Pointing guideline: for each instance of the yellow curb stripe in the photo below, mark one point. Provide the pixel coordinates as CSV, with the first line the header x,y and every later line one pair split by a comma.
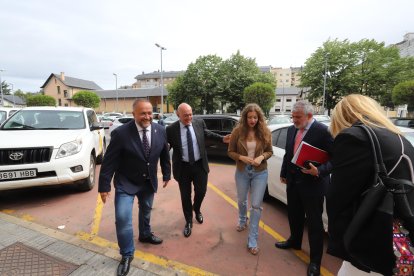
x,y
97,216
299,253
146,256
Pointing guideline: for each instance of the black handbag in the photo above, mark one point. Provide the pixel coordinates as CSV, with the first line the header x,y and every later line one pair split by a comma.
x,y
374,213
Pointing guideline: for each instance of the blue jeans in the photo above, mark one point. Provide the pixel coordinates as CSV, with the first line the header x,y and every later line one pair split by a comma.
x,y
123,218
256,182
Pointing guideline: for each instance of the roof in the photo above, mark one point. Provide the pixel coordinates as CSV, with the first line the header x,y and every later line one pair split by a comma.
x,y
131,93
157,75
74,82
14,99
291,90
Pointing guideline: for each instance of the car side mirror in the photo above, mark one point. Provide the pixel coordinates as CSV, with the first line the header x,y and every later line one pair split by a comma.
x,y
96,126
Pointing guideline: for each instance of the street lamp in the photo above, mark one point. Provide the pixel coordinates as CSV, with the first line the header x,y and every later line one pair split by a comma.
x,y
324,84
1,88
12,88
162,80
116,89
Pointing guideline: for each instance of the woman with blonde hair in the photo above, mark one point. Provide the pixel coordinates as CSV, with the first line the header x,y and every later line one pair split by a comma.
x,y
250,146
353,173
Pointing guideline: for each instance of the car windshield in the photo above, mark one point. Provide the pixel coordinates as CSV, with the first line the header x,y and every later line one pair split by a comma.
x,y
3,115
45,119
409,136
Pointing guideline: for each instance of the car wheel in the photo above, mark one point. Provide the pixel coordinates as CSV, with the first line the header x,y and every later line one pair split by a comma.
x,y
99,159
88,183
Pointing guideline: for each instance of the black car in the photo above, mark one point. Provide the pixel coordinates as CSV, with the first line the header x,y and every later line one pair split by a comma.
x,y
221,124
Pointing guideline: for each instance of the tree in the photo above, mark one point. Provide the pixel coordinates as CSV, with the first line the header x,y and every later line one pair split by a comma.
x,y
5,88
41,100
237,73
365,67
403,93
262,94
177,94
86,99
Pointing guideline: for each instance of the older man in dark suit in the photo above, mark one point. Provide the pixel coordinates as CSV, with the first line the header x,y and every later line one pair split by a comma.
x,y
306,188
190,163
132,156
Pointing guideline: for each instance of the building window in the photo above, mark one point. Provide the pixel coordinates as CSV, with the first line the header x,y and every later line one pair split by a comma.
x,y
60,102
278,100
66,104
65,93
288,100
58,89
277,109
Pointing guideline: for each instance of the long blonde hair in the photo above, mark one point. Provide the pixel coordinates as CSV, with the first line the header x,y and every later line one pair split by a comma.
x,y
262,132
356,107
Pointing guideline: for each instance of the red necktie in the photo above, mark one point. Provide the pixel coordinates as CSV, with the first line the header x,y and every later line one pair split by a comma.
x,y
298,139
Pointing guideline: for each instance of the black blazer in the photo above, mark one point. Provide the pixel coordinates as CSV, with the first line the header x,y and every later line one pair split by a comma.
x,y
352,173
318,136
174,139
125,157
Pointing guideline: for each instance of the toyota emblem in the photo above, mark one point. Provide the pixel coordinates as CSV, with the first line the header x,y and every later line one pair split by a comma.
x,y
16,156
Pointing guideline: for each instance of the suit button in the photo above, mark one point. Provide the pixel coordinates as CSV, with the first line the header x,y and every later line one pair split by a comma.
x,y
148,164
144,175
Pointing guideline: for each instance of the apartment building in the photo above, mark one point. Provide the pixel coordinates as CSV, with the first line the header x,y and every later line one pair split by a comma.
x,y
406,47
287,77
153,79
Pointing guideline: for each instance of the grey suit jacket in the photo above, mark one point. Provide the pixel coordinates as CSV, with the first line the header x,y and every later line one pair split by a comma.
x,y
174,139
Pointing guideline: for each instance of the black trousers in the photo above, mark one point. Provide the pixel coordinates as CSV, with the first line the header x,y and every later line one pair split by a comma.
x,y
196,175
300,205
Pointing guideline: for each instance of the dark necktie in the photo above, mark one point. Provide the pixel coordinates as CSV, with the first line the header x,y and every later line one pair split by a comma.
x,y
191,158
145,143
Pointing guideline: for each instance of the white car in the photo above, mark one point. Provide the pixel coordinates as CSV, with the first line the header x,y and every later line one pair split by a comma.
x,y
42,146
277,189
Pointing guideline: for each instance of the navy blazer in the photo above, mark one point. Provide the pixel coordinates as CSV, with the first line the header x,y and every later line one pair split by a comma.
x,y
174,139
125,158
318,136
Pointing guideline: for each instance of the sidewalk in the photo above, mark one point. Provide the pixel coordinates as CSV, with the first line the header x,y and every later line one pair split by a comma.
x,y
35,249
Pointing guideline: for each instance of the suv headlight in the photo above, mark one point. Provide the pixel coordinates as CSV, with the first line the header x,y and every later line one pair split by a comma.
x,y
69,149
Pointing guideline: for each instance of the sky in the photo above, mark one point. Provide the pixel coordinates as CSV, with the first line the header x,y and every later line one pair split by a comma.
x,y
91,39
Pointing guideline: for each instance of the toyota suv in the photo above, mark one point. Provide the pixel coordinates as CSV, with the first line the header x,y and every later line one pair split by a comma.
x,y
42,146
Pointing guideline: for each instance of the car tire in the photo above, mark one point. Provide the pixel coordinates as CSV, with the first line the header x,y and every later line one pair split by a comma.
x,y
99,159
88,183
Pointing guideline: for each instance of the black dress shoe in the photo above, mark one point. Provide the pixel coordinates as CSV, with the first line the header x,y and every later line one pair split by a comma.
x,y
199,218
287,245
187,229
123,267
151,239
314,269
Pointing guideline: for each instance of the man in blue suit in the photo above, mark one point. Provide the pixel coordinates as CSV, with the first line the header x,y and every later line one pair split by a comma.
x,y
306,188
132,156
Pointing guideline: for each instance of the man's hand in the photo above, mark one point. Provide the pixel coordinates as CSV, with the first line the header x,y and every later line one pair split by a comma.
x,y
104,196
226,139
312,171
165,183
283,180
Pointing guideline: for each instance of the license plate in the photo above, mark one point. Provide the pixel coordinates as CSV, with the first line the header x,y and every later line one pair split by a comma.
x,y
17,174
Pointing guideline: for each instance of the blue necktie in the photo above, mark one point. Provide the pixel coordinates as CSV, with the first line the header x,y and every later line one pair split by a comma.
x,y
145,143
191,158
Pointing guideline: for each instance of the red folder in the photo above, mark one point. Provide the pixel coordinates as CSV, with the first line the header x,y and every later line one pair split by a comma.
x,y
307,152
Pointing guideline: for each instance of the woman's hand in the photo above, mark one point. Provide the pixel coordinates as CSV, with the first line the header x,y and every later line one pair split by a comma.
x,y
258,160
247,160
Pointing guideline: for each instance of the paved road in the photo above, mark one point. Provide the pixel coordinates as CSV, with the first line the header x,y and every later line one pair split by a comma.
x,y
214,247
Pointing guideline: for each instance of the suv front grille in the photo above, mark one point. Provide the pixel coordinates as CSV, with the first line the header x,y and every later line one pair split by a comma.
x,y
25,156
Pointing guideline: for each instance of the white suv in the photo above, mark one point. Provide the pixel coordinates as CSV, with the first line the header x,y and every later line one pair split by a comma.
x,y
42,146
